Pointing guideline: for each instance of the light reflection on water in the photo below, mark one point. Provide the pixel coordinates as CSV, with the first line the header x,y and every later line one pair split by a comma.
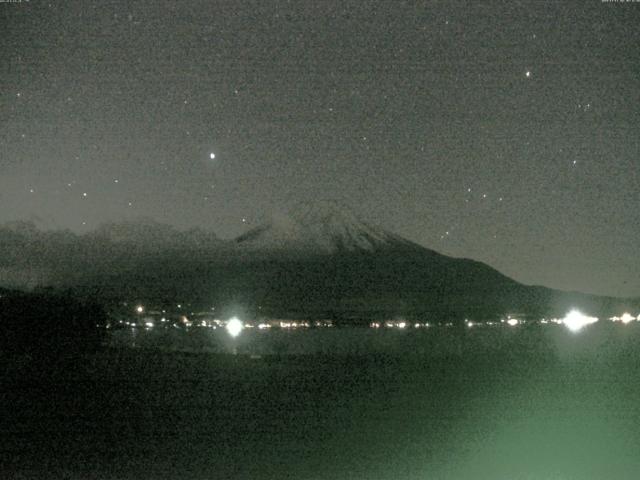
x,y
537,402
475,403
433,341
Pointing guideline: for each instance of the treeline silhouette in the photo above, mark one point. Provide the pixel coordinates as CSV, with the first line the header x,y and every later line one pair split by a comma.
x,y
45,324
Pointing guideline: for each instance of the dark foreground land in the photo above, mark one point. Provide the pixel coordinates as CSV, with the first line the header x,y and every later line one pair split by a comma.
x,y
541,406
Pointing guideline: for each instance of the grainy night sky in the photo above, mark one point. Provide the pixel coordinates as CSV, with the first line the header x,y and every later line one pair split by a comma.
x,y
505,132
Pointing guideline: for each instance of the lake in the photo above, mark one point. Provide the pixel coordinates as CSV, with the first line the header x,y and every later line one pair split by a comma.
x,y
481,403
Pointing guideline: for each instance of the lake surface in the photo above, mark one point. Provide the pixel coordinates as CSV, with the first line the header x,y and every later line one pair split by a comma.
x,y
522,403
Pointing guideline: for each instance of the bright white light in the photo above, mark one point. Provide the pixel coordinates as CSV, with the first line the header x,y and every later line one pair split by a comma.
x,y
402,324
626,318
139,309
149,324
512,322
212,155
575,320
234,327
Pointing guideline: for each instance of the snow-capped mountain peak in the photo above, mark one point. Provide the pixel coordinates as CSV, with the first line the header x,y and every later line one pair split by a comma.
x,y
321,227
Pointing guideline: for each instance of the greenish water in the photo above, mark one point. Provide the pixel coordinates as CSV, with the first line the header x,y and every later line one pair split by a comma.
x,y
533,404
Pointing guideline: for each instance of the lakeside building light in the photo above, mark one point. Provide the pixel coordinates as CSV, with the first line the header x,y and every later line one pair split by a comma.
x,y
140,309
626,318
575,320
234,327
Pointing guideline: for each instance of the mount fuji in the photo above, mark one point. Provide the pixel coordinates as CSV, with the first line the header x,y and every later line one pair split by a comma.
x,y
319,260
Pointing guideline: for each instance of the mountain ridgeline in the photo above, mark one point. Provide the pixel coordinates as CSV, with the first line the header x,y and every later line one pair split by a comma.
x,y
318,261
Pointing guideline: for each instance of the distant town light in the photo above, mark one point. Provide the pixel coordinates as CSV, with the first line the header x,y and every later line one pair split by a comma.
x,y
626,318
402,325
234,327
139,309
512,322
149,324
575,320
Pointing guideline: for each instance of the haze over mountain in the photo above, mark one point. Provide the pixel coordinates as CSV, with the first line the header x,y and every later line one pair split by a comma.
x,y
318,260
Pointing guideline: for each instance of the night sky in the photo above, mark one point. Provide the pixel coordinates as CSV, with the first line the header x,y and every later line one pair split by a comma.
x,y
504,132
